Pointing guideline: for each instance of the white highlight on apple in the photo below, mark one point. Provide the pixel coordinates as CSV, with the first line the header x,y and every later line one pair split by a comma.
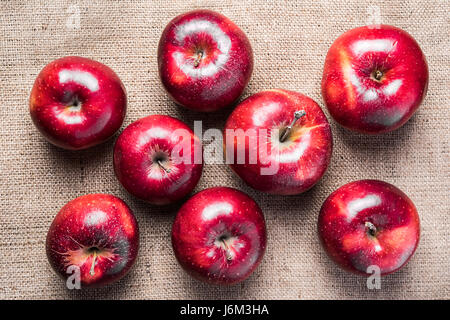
x,y
155,132
297,152
223,44
357,205
260,116
95,217
69,118
379,45
392,87
211,253
368,94
84,78
216,209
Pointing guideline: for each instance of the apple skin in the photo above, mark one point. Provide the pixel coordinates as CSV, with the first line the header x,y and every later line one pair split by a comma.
x,y
149,140
348,215
219,236
204,60
374,79
303,157
77,103
99,223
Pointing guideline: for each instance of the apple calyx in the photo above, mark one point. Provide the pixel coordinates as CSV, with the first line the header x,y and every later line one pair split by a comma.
x,y
161,158
74,104
370,228
198,58
223,243
286,132
377,75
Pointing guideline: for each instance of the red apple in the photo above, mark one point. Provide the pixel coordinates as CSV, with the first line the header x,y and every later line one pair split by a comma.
x,y
369,223
219,235
77,103
374,79
97,234
158,159
278,141
204,60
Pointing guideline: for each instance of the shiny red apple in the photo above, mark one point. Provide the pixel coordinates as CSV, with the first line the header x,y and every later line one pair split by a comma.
x,y
278,141
204,60
77,103
96,234
369,223
158,159
219,235
374,79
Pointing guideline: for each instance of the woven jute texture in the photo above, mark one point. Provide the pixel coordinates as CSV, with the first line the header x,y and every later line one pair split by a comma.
x,y
290,40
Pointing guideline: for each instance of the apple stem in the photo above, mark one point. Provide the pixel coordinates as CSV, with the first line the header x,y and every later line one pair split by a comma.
x,y
92,272
371,229
227,249
198,58
287,131
162,166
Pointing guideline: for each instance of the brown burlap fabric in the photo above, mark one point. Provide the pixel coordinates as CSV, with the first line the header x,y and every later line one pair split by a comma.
x,y
290,40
